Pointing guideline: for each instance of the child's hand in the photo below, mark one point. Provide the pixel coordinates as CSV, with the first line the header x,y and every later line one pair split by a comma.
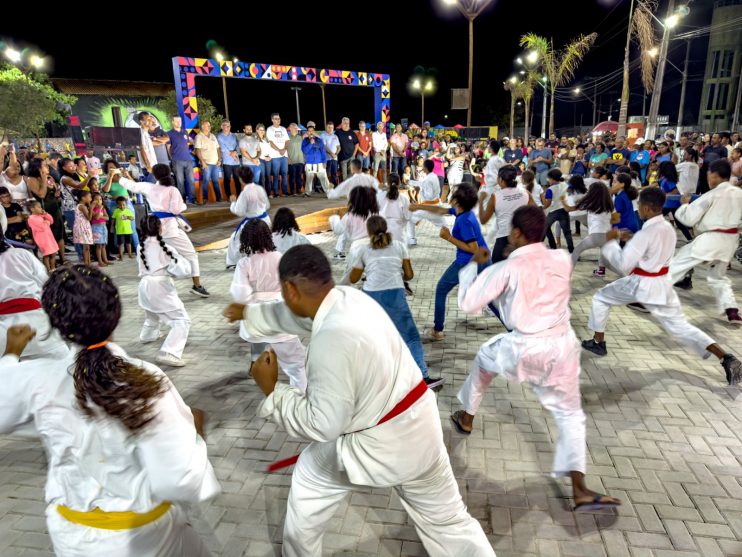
x,y
445,233
612,234
481,256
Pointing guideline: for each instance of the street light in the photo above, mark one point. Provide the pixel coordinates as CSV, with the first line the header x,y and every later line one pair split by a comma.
x,y
13,55
513,80
532,57
37,61
577,90
654,51
428,88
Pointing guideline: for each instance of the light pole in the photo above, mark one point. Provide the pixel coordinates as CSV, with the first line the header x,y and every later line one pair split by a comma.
x,y
470,9
24,63
298,115
220,59
530,60
425,86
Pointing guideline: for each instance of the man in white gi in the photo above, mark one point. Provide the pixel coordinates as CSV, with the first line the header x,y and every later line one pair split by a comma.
x,y
429,193
531,290
645,264
716,216
357,178
359,370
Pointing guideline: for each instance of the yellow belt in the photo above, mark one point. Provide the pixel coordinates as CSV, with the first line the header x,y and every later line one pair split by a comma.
x,y
114,520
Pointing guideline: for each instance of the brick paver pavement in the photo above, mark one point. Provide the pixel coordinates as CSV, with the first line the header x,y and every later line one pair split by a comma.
x,y
663,435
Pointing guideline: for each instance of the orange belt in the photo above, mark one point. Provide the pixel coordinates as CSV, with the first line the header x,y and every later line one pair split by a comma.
x,y
642,273
434,202
411,398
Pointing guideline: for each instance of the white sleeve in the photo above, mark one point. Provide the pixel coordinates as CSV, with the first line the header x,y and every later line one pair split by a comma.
x,y
355,257
241,289
273,318
341,190
174,455
178,266
690,214
239,206
475,292
175,203
135,187
626,259
3,220
17,392
36,270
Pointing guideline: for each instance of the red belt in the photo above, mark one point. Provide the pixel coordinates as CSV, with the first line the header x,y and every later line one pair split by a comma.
x,y
411,398
726,230
19,305
642,273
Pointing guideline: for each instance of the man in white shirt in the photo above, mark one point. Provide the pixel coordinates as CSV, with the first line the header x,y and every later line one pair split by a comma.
x,y
645,262
370,417
492,170
381,145
715,216
332,148
357,178
277,137
147,155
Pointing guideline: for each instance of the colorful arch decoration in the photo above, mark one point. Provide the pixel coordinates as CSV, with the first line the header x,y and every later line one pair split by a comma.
x,y
185,71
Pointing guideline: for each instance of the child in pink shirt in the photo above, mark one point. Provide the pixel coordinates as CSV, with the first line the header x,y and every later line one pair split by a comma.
x,y
40,223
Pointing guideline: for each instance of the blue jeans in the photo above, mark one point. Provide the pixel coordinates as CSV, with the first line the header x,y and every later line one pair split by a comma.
x,y
449,279
256,171
148,177
395,305
332,171
183,171
295,179
69,216
210,174
265,171
279,165
365,161
398,166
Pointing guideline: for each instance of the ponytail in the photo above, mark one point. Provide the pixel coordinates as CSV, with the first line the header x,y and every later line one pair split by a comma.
x,y
377,231
393,191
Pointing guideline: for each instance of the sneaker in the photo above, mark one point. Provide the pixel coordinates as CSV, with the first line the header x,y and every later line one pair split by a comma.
x,y
733,368
433,335
598,348
408,290
412,242
685,284
307,194
165,359
599,272
638,307
434,383
200,291
733,317
339,256
231,267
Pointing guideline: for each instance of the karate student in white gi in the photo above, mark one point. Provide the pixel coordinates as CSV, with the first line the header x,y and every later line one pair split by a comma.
x,y
158,297
286,231
359,370
167,204
357,178
645,264
125,453
362,204
395,209
716,216
252,203
429,194
23,277
256,280
531,290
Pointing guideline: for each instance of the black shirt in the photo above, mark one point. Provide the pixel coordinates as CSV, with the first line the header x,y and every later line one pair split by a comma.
x,y
348,141
17,230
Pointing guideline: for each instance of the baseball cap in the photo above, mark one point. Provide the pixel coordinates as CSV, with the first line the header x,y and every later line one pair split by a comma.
x,y
310,124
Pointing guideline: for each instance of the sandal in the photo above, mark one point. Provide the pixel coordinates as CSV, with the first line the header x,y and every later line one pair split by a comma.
x,y
596,504
456,419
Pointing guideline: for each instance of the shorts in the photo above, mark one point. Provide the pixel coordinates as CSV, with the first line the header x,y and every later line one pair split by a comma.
x,y
124,239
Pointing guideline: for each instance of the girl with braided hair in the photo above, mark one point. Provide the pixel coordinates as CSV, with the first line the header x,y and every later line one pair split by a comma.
x,y
158,297
125,452
252,204
255,281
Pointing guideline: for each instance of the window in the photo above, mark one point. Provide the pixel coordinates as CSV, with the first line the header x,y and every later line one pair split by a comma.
x,y
710,97
715,65
726,64
721,101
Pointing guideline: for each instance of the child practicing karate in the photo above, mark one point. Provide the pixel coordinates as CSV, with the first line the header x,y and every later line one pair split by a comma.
x,y
429,194
357,178
158,297
715,216
362,204
256,280
286,231
645,263
531,290
125,454
251,204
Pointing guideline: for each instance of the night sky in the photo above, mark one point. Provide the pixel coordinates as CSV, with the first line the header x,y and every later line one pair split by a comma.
x,y
330,35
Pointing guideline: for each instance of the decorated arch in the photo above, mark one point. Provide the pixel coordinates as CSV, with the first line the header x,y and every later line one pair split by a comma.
x,y
187,69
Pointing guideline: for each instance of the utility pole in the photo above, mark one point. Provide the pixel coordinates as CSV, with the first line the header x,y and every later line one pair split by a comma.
x,y
624,109
298,115
595,104
654,106
735,119
543,117
324,108
681,108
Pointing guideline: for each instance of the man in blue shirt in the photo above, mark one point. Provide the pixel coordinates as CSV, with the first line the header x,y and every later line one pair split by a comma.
x,y
180,154
540,161
230,158
641,157
619,155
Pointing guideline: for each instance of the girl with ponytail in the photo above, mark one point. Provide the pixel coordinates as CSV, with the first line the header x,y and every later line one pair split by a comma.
x,y
395,209
124,450
159,263
386,263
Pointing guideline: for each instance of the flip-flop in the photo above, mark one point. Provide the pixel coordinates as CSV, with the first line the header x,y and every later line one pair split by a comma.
x,y
596,504
457,424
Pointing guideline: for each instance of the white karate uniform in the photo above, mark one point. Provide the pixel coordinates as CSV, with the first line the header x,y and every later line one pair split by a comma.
x,y
650,249
396,212
531,290
359,368
158,296
167,199
430,194
256,280
284,242
23,276
717,209
98,463
345,187
348,229
251,203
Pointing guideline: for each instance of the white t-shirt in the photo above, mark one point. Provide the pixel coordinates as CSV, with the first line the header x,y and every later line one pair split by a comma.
x,y
250,145
557,191
535,193
383,267
279,137
507,200
380,142
598,223
687,177
17,192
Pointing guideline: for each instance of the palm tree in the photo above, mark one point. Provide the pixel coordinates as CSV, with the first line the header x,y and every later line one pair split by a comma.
x,y
512,86
558,65
524,90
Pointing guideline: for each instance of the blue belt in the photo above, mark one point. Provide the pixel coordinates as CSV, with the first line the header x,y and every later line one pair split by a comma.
x,y
673,201
165,215
248,219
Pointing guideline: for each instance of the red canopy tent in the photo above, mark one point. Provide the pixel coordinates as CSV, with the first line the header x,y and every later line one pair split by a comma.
x,y
459,127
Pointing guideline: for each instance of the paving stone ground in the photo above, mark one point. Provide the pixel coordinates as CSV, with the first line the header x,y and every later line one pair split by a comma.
x,y
663,434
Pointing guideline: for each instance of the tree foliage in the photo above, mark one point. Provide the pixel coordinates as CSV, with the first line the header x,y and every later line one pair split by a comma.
x,y
206,110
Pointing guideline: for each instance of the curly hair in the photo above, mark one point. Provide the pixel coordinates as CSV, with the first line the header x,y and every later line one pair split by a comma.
x,y
362,202
83,305
256,237
284,222
151,229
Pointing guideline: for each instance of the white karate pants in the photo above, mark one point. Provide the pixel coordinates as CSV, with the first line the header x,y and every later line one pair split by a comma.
x,y
183,245
338,228
432,500
291,356
670,316
179,323
716,276
564,403
171,535
313,170
436,220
